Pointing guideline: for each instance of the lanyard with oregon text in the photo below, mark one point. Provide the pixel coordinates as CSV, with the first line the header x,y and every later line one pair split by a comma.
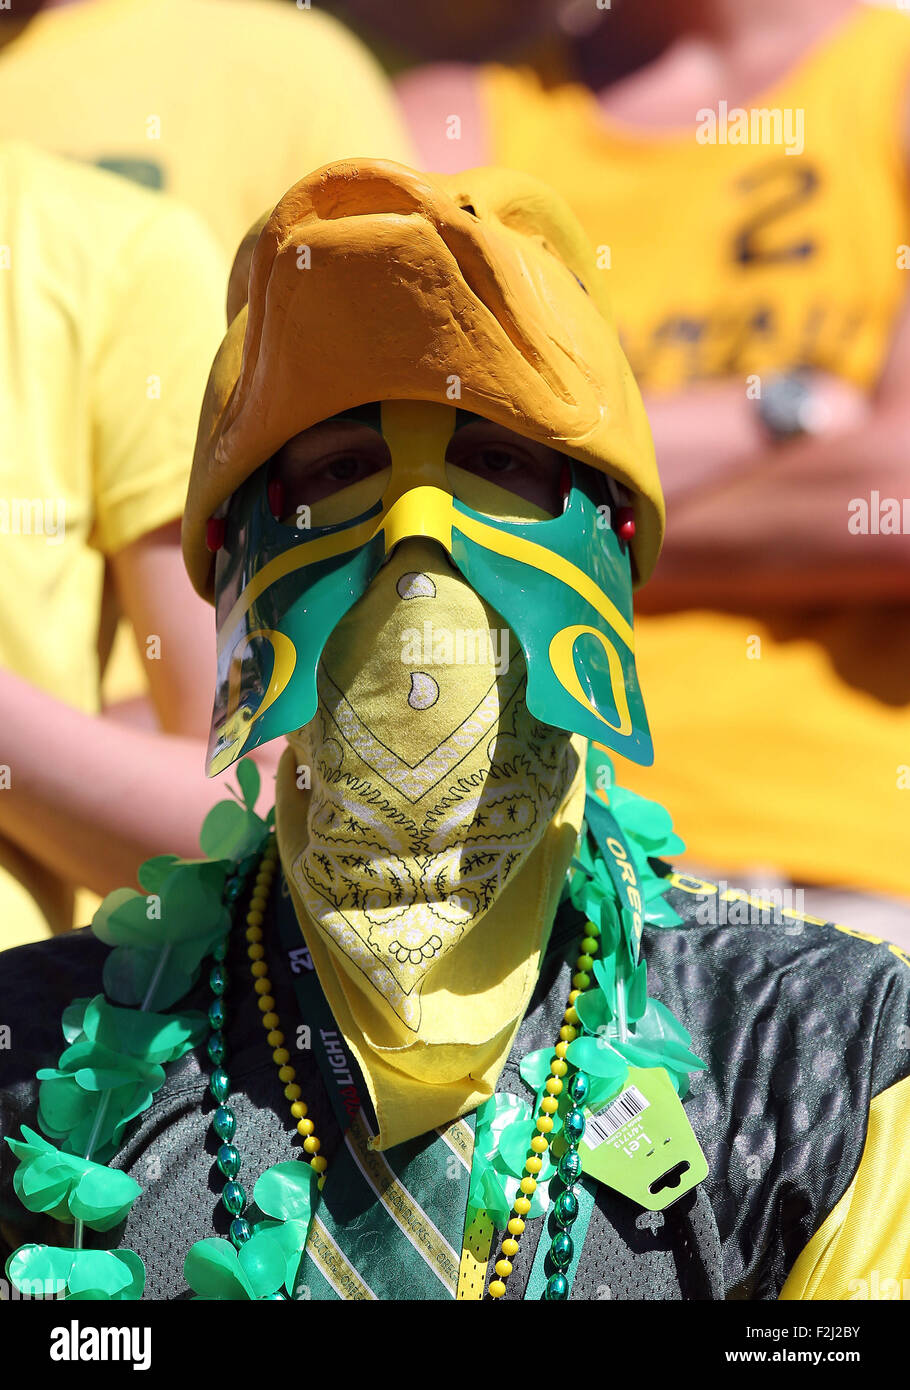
x,y
641,1143
614,848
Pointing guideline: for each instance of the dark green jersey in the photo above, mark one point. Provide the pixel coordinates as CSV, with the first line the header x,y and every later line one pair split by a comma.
x,y
803,1025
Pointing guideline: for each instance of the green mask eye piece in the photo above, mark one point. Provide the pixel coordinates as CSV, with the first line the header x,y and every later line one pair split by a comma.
x,y
563,585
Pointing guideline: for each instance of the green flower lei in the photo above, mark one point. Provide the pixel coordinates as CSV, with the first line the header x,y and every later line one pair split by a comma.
x,y
118,1046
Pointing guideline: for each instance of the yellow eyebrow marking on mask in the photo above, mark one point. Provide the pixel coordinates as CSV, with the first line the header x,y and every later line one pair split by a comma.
x,y
539,558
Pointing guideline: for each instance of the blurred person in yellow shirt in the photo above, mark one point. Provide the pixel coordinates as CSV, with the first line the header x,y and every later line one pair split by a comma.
x,y
742,168
110,309
217,102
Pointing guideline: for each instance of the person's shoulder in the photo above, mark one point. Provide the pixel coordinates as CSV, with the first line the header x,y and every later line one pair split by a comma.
x,y
273,32
92,212
753,943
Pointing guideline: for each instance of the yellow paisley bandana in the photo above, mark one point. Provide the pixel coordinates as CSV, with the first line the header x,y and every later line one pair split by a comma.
x,y
425,824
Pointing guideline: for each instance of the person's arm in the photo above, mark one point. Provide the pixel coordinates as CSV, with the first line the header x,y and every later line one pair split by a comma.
x,y
862,1248
90,797
93,796
792,521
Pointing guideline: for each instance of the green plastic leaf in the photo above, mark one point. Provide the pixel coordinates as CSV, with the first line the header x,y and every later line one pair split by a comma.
x,y
250,782
102,1196
212,1271
658,1022
610,930
99,1275
187,905
677,1061
514,1146
70,1095
129,971
637,993
68,1185
596,1057
535,1068
594,1010
292,1237
604,972
153,873
285,1191
264,1263
72,1019
488,1193
231,832
39,1270
87,1275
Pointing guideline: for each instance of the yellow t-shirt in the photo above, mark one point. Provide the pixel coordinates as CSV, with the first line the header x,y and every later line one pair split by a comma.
x,y
727,259
111,309
223,104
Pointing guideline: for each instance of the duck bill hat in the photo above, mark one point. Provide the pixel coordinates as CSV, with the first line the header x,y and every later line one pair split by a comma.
x,y
371,283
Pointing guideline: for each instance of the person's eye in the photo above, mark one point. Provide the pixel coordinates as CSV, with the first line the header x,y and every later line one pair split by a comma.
x,y
347,468
318,463
494,458
498,460
531,472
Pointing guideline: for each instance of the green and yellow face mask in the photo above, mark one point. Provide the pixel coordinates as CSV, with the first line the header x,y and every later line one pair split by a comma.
x,y
299,545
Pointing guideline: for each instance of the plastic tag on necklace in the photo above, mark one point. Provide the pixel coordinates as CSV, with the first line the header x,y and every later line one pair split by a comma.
x,y
642,1144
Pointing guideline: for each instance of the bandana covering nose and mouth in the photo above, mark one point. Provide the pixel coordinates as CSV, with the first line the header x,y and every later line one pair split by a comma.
x,y
426,856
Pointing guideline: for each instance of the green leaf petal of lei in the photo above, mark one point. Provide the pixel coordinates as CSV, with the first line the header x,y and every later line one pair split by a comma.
x,y
250,782
101,1197
211,1270
594,1010
637,993
285,1191
514,1147
47,1180
494,1199
95,1275
292,1237
162,938
535,1068
231,832
105,1275
264,1263
598,1058
153,872
215,1270
658,1022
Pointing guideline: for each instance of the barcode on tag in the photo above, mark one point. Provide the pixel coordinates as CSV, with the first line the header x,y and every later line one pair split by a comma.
x,y
619,1112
